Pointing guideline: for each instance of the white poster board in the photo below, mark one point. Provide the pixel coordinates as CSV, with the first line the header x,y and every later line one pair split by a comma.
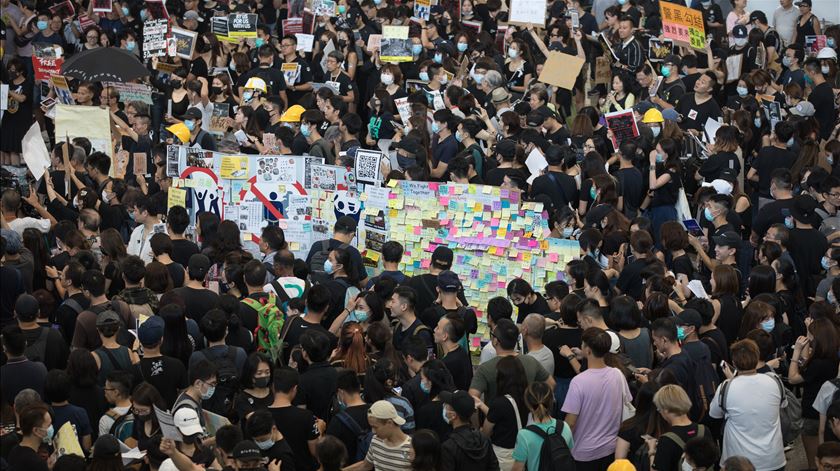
x,y
527,12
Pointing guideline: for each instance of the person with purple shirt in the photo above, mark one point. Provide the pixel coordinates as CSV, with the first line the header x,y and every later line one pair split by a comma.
x,y
594,404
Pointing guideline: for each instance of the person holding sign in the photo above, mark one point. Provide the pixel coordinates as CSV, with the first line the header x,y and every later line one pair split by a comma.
x,y
339,81
302,84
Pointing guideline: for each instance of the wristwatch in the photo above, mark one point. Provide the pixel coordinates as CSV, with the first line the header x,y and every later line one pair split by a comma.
x,y
571,357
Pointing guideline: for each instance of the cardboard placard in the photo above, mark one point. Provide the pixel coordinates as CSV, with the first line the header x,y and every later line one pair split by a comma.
x,y
184,42
154,37
396,47
218,119
813,44
602,70
64,9
659,50
292,26
374,42
242,25
527,12
62,90
102,6
305,42
683,24
219,27
422,9
132,91
561,69
623,126
45,68
141,163
733,67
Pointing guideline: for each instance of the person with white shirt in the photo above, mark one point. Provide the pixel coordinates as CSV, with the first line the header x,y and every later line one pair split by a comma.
x,y
751,409
784,21
532,330
146,213
10,204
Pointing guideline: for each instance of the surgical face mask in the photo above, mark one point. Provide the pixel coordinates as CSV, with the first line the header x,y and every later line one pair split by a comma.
x,y
789,142
443,80
424,76
387,79
740,42
259,42
513,53
42,25
706,4
50,434
458,136
262,382
742,91
660,158
567,232
247,96
622,2
666,71
416,49
824,262
438,58
377,2
593,193
830,42
125,11
768,325
680,333
130,45
789,222
304,129
210,391
786,61
462,47
435,127
105,197
685,466
478,78
143,15
425,387
757,122
232,65
443,414
707,213
360,316
264,444
328,267
190,124
342,9
655,130
825,69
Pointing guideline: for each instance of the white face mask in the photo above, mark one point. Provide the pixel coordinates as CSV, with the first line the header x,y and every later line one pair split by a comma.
x,y
387,79
740,42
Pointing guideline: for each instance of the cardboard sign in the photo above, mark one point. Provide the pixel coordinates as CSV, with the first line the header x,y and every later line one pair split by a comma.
x,y
659,50
683,24
242,25
561,69
602,70
374,42
184,42
623,126
292,26
154,38
131,91
219,27
102,6
813,44
218,119
45,68
141,163
422,9
64,10
62,90
527,12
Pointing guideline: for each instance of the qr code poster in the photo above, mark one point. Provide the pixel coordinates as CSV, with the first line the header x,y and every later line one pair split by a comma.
x,y
367,167
275,170
323,177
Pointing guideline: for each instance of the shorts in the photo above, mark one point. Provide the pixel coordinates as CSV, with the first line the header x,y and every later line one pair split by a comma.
x,y
810,427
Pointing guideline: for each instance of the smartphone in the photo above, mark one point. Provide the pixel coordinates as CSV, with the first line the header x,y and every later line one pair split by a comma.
x,y
693,227
575,19
47,102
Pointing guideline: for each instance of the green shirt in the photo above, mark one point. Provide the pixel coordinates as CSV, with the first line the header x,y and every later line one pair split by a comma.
x,y
485,376
529,444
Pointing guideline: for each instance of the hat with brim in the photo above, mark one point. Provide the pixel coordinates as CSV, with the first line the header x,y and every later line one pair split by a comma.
x,y
187,421
181,131
728,239
384,410
804,210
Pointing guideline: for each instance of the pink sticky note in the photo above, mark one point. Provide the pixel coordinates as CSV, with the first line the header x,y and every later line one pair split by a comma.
x,y
444,200
417,230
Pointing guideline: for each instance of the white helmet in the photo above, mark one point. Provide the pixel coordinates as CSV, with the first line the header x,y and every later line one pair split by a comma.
x,y
256,83
827,53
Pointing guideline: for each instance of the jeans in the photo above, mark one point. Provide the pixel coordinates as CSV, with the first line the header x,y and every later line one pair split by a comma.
x,y
659,215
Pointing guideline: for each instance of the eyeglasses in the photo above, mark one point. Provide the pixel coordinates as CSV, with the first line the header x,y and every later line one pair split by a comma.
x,y
833,195
211,384
829,467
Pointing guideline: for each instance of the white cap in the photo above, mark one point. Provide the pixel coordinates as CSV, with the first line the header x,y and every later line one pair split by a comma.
x,y
186,419
803,108
722,187
827,53
615,346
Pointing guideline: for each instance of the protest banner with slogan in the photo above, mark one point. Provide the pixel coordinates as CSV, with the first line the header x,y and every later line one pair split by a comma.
x,y
683,24
813,44
62,90
132,91
242,25
102,6
184,42
396,47
623,126
46,67
292,26
561,69
85,22
154,38
218,119
525,12
219,27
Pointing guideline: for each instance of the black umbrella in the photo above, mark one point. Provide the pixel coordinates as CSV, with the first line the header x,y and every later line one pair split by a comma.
x,y
104,64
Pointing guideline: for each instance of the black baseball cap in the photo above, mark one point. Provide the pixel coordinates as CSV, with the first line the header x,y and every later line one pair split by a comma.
x,y
27,307
246,450
461,402
442,257
807,3
192,113
729,239
804,210
739,31
758,15
689,317
345,225
198,265
448,281
506,148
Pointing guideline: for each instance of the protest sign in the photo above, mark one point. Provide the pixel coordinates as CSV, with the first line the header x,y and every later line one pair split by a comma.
x,y
396,47
305,42
525,12
623,126
607,46
67,442
219,28
602,70
62,90
323,7
35,152
85,22
45,68
367,166
91,122
242,25
813,44
733,67
132,91
154,38
4,97
218,119
422,9
63,10
403,108
374,42
157,9
683,24
141,163
561,69
102,6
292,26
659,50
184,42
167,423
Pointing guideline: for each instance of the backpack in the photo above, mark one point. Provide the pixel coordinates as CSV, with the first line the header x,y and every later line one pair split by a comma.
x,y
701,432
227,379
270,322
554,451
316,264
705,383
363,437
124,337
790,410
37,350
123,426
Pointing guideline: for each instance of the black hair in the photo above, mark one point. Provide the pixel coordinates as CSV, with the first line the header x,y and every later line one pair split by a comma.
x,y
285,379
214,325
499,308
259,423
318,299
316,344
202,370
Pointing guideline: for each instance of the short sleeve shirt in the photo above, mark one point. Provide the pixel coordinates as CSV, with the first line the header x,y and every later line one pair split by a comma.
x,y
386,458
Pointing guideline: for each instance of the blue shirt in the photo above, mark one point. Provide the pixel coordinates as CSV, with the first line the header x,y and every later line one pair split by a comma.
x,y
73,414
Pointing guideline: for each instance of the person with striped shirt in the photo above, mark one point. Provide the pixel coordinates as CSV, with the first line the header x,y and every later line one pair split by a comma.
x,y
630,54
390,447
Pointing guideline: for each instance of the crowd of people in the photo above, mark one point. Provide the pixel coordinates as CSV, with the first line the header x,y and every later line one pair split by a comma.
x,y
698,329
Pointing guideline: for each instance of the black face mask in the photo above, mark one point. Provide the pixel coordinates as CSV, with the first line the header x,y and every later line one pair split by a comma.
x,y
262,382
192,439
342,43
176,84
216,90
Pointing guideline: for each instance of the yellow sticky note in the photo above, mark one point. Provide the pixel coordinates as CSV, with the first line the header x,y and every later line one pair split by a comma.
x,y
176,197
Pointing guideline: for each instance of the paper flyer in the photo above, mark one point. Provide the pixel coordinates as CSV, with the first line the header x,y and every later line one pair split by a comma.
x,y
67,442
234,167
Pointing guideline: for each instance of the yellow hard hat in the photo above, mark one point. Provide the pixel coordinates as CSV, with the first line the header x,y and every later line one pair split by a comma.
x,y
292,115
621,465
256,83
653,116
180,131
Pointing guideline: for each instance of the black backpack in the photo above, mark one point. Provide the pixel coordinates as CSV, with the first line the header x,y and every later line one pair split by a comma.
x,y
363,437
554,451
227,381
316,266
37,350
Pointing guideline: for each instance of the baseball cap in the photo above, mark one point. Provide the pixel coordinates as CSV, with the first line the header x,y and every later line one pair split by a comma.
x,y
246,450
409,144
506,147
721,186
345,225
384,410
547,112
107,318
462,403
27,307
442,256
198,265
292,115
535,119
758,15
192,113
670,114
728,239
642,107
193,15
13,241
186,419
151,331
448,281
804,210
807,3
106,445
672,59
739,31
803,108
689,317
